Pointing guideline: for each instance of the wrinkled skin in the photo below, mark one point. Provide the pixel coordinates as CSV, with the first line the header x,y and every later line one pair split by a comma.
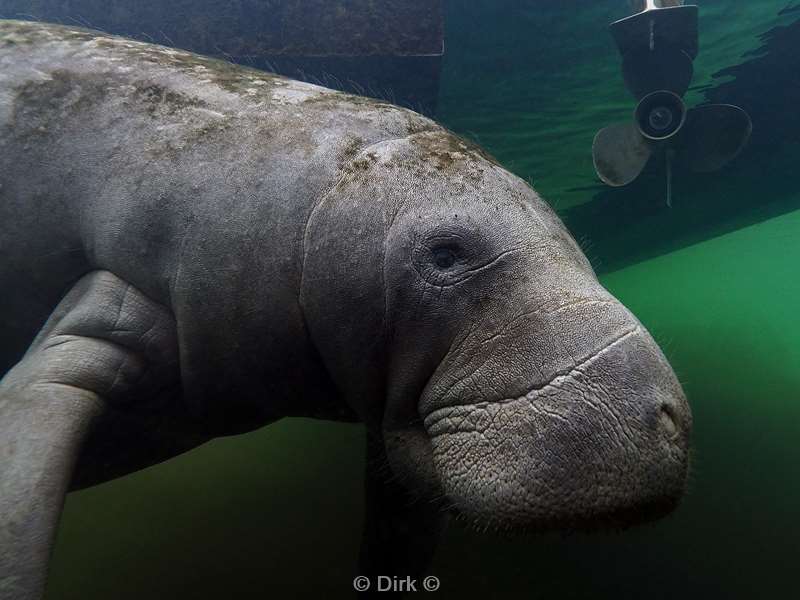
x,y
205,249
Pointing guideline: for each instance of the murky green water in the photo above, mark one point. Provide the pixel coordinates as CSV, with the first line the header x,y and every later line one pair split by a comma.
x,y
715,279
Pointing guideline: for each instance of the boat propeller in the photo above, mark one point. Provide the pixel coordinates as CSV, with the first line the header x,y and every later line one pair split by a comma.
x,y
658,46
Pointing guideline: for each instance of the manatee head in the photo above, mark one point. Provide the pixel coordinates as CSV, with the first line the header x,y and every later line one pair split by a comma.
x,y
458,317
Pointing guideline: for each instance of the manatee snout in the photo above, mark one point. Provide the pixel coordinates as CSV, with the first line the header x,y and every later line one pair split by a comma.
x,y
599,437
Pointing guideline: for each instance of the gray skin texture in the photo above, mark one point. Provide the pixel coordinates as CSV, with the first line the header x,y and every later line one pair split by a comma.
x,y
192,249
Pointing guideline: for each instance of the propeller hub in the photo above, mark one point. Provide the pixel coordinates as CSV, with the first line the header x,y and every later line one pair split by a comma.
x,y
660,118
660,115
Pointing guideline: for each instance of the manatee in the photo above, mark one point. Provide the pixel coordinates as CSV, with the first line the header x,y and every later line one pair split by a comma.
x,y
192,249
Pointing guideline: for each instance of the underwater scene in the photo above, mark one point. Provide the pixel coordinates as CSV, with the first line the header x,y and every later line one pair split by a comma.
x,y
701,243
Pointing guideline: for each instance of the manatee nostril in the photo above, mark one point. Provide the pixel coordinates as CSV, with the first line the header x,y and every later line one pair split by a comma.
x,y
668,420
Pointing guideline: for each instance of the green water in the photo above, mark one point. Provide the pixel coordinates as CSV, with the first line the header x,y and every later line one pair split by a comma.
x,y
278,513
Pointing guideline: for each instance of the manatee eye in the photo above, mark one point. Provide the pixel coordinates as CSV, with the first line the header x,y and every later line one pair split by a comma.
x,y
444,257
447,256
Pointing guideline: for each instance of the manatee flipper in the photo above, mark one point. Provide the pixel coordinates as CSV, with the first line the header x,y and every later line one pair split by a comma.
x,y
401,530
104,344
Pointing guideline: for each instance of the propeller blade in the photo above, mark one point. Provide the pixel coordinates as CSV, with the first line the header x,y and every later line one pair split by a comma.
x,y
663,68
620,153
714,135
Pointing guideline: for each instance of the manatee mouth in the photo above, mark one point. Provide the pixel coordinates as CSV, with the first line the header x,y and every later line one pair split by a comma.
x,y
601,498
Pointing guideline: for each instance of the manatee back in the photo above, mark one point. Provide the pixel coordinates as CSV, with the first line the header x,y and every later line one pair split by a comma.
x,y
111,150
